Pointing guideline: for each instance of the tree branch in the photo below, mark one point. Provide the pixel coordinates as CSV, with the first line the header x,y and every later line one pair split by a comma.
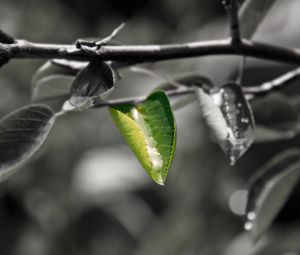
x,y
148,53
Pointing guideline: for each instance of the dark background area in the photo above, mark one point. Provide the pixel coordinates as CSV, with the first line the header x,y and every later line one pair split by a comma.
x,y
85,193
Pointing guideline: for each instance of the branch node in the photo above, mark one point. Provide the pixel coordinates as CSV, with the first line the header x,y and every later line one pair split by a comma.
x,y
91,47
107,39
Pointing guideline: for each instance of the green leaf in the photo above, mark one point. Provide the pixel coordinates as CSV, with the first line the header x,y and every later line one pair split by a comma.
x,y
270,189
149,129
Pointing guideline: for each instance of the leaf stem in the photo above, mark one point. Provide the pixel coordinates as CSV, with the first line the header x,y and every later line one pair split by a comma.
x,y
279,82
137,100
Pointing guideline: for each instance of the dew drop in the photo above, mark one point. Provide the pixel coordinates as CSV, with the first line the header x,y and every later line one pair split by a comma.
x,y
251,216
248,225
245,120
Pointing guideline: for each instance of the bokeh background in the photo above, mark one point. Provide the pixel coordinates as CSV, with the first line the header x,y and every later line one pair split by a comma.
x,y
85,193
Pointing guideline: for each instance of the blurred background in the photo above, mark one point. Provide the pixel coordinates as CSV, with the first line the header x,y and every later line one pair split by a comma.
x,y
85,193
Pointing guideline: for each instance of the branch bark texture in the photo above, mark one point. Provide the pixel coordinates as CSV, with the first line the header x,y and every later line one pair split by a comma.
x,y
148,53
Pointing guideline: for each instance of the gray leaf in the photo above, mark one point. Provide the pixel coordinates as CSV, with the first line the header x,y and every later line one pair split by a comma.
x,y
252,13
21,134
278,121
229,118
52,80
51,87
270,189
92,84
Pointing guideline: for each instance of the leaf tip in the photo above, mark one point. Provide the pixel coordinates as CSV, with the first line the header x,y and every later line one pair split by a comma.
x,y
250,228
232,160
159,180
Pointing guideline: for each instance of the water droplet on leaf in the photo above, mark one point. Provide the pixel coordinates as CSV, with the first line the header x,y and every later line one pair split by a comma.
x,y
248,226
229,118
251,215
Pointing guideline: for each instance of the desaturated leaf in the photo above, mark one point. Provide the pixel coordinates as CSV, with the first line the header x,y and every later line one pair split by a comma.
x,y
266,135
149,129
252,13
270,189
182,102
21,134
278,112
51,80
92,84
229,118
73,66
51,87
278,120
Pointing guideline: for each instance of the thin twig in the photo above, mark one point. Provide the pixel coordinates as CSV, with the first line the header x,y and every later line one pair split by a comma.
x,y
250,92
279,82
137,100
114,33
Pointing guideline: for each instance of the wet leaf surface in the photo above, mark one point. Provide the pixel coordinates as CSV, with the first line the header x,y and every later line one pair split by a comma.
x,y
229,118
150,131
